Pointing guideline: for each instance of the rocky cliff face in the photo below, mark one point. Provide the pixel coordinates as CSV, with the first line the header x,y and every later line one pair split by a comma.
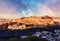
x,y
37,20
33,21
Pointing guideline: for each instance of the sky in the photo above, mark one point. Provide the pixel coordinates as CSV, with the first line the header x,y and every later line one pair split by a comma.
x,y
26,8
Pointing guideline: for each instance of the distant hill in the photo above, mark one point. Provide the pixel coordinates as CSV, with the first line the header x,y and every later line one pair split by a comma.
x,y
30,22
3,20
37,20
34,21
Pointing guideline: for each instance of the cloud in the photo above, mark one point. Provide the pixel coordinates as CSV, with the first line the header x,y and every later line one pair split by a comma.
x,y
19,8
54,5
14,11
43,10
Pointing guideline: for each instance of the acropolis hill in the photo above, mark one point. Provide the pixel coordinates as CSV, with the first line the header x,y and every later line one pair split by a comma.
x,y
32,21
45,20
